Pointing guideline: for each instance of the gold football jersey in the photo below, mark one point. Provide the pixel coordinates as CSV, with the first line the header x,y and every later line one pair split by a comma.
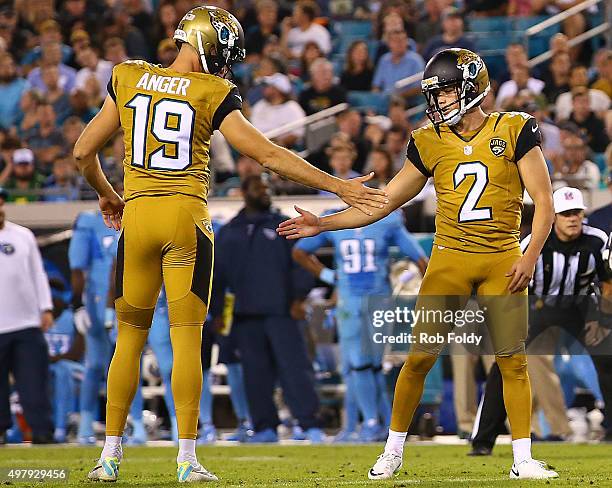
x,y
168,118
478,186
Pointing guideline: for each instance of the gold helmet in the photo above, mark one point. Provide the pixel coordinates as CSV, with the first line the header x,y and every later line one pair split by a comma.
x,y
215,34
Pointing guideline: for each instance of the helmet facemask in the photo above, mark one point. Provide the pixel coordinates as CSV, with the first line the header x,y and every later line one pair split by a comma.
x,y
465,100
219,64
436,113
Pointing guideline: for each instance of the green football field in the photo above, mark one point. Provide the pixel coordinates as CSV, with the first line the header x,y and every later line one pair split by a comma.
x,y
322,466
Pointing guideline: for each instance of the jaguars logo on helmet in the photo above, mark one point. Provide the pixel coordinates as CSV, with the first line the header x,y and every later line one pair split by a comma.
x,y
462,70
225,27
216,35
469,63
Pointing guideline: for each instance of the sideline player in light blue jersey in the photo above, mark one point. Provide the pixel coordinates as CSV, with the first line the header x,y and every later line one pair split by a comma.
x,y
66,347
362,270
91,254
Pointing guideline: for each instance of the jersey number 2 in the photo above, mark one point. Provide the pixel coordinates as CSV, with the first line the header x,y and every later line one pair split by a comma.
x,y
172,124
468,211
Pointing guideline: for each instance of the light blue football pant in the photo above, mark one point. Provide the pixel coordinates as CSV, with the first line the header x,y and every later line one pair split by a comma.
x,y
64,374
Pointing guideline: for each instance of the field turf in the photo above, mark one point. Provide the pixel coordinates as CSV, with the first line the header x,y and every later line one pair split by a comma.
x,y
321,466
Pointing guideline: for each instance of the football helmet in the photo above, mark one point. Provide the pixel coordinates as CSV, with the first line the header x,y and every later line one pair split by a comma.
x,y
462,70
215,34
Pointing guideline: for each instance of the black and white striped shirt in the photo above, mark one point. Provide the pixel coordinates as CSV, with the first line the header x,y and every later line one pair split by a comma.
x,y
569,268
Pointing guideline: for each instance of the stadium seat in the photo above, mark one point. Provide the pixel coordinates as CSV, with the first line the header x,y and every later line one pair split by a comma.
x,y
365,100
600,160
353,28
496,64
524,23
496,43
338,62
488,24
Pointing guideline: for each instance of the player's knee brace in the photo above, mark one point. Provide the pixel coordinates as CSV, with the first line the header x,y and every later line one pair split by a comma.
x,y
136,317
420,363
514,366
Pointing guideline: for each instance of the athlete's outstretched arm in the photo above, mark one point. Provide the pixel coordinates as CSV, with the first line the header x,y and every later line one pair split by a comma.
x,y
404,186
534,173
92,139
248,140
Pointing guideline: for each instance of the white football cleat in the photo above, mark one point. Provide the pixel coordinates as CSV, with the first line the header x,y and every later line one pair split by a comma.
x,y
193,473
387,465
531,469
107,469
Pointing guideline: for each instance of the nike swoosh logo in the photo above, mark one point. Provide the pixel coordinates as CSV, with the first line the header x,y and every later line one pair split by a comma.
x,y
238,97
375,474
534,128
515,472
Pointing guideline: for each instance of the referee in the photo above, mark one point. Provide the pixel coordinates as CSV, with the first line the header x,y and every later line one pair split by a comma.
x,y
571,260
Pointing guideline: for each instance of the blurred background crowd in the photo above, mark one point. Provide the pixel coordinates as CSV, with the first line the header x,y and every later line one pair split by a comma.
x,y
302,58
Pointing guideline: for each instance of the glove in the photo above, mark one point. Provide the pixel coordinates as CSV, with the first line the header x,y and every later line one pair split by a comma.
x,y
82,321
328,276
110,318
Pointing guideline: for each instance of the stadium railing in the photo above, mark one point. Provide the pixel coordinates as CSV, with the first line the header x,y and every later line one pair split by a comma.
x,y
514,30
603,28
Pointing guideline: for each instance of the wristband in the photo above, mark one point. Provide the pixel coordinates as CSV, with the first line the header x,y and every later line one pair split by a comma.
x,y
77,302
327,276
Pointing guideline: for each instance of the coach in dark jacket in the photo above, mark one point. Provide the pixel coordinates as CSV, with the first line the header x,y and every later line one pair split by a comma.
x,y
255,264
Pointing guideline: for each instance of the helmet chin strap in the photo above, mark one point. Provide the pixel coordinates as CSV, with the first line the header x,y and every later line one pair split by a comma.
x,y
455,116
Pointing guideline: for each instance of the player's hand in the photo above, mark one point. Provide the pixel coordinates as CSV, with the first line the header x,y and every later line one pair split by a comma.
x,y
594,333
82,321
306,225
521,272
112,210
217,324
46,320
297,310
362,197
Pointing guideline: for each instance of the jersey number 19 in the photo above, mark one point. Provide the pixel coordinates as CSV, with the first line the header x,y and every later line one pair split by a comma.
x,y
171,122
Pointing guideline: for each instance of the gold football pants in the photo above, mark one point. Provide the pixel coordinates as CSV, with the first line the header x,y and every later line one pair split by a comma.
x,y
448,283
165,238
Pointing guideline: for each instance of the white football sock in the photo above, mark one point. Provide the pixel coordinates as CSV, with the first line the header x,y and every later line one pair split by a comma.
x,y
395,442
521,449
187,451
112,447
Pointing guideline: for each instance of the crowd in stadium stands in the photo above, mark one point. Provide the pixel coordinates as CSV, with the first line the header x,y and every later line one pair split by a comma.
x,y
55,63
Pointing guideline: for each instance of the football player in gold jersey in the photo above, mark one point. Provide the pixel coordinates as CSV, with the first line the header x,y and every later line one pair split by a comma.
x,y
168,116
480,165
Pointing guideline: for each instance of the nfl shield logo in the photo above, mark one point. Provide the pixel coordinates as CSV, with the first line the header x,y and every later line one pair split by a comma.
x,y
497,146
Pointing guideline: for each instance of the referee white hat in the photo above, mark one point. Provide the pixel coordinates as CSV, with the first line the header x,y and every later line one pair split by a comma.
x,y
568,198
